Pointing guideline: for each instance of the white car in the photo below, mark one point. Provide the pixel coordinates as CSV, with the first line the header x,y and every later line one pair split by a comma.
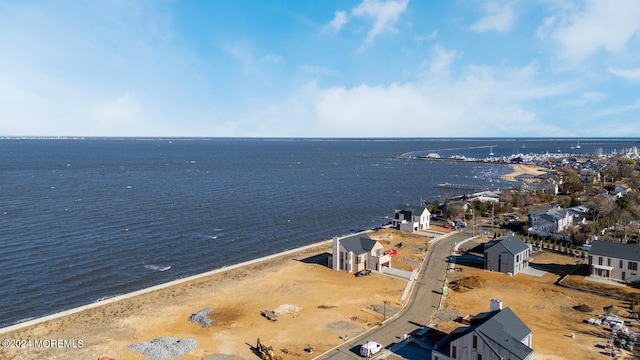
x,y
370,348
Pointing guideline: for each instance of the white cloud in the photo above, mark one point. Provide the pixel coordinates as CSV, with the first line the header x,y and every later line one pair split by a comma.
x,y
617,110
499,17
441,61
629,74
480,101
421,38
384,13
600,25
339,20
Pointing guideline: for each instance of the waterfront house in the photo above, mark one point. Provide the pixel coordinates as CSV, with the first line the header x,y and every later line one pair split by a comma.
x,y
411,218
614,261
358,252
495,335
507,254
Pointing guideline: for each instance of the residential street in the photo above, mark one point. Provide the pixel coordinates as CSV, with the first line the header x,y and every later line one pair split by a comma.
x,y
422,306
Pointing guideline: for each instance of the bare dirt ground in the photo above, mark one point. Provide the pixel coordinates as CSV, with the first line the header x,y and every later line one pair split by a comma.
x,y
547,309
316,308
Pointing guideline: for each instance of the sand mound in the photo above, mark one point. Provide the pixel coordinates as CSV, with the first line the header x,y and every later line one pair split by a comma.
x,y
583,308
615,310
466,284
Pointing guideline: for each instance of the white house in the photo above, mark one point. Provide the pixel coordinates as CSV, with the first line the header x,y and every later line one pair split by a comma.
x,y
411,218
614,261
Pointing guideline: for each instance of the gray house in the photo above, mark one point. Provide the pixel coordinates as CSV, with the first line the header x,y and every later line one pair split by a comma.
x,y
614,261
495,335
507,254
358,252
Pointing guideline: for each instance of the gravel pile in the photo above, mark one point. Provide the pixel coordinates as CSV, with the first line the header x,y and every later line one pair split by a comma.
x,y
164,348
202,317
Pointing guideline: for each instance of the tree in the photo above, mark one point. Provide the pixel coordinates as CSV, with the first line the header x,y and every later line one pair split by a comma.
x,y
571,183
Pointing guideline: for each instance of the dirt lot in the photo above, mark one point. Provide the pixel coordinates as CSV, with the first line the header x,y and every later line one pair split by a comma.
x,y
546,308
316,308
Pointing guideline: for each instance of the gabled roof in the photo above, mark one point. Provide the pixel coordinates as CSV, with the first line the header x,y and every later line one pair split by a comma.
x,y
358,244
513,244
417,210
615,250
502,327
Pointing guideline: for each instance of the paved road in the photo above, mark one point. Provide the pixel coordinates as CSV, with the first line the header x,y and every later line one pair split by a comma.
x,y
422,305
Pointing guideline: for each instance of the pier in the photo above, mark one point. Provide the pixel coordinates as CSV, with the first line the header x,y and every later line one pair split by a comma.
x,y
463,186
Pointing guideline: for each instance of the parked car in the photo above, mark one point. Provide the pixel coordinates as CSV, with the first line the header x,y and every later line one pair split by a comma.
x,y
461,223
370,348
364,272
392,252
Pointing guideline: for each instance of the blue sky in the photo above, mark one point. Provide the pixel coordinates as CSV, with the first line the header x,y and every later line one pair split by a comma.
x,y
365,68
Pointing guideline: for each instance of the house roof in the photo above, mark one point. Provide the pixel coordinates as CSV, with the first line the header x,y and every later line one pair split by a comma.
x,y
502,327
418,210
615,250
358,244
511,243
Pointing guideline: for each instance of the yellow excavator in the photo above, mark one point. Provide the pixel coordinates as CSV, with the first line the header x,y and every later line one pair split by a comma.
x,y
266,352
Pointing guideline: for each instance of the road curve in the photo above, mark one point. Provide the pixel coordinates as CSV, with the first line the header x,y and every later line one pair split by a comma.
x,y
419,310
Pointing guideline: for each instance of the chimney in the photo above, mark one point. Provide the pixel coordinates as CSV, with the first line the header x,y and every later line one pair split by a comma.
x,y
495,305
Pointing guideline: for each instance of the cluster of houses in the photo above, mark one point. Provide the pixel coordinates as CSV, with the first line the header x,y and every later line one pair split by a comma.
x,y
499,333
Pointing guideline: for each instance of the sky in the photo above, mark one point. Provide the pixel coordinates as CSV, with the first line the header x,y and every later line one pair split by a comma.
x,y
325,68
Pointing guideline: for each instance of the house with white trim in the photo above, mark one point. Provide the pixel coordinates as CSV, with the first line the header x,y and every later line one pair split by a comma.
x,y
495,335
614,261
411,218
358,252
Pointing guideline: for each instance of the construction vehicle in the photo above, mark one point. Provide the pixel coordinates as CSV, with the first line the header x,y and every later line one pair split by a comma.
x,y
266,352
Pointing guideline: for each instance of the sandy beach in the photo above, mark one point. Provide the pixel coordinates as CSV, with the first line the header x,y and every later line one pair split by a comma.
x,y
316,307
520,169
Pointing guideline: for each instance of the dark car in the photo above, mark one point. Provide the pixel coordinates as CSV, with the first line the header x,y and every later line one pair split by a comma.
x,y
365,272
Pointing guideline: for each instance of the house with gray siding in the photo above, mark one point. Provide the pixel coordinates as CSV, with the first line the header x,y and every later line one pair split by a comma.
x,y
507,254
358,252
614,261
411,218
495,335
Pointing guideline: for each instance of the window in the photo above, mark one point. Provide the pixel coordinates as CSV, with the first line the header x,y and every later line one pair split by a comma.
x,y
518,258
358,260
608,261
632,265
479,356
599,260
454,352
621,267
475,341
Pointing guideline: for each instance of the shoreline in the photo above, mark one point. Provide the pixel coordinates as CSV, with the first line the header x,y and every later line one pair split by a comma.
x,y
316,306
117,298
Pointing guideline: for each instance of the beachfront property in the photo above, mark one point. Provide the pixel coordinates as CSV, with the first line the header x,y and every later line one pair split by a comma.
x,y
358,252
614,261
495,335
507,254
411,218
